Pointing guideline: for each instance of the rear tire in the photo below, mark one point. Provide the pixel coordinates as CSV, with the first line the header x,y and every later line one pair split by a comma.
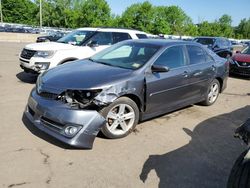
x,y
212,93
121,118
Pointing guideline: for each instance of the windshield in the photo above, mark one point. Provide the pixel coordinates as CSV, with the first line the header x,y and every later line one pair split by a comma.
x,y
128,55
246,51
76,37
205,41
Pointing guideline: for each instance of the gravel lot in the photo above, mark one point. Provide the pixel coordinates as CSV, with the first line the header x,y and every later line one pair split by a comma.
x,y
192,147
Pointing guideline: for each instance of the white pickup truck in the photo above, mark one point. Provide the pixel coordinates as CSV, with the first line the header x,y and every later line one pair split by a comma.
x,y
79,44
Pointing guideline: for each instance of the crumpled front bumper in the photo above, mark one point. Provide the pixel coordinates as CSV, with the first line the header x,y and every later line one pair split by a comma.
x,y
52,117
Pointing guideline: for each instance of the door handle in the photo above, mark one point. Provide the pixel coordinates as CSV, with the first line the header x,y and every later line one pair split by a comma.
x,y
198,73
213,67
185,74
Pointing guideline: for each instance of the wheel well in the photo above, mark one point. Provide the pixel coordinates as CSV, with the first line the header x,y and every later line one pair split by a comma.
x,y
65,60
220,81
135,99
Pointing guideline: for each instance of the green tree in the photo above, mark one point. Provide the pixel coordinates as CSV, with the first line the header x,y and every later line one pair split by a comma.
x,y
159,21
94,13
209,29
177,20
19,11
243,29
59,13
191,30
226,28
114,21
138,16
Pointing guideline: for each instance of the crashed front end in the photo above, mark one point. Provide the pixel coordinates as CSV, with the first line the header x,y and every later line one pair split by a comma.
x,y
71,115
74,126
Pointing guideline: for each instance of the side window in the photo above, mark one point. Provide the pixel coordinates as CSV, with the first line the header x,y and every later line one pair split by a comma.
x,y
118,37
196,54
228,43
224,43
220,43
172,57
141,36
208,57
102,38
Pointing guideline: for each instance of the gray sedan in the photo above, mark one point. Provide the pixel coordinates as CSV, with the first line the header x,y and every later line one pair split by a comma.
x,y
122,85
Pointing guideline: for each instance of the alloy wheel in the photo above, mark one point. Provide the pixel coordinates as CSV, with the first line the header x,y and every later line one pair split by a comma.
x,y
213,93
120,119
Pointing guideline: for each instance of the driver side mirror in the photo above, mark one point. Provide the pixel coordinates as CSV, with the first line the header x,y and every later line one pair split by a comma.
x,y
159,68
93,44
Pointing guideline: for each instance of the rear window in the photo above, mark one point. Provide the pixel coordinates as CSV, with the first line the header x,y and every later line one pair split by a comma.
x,y
118,37
196,55
142,36
205,41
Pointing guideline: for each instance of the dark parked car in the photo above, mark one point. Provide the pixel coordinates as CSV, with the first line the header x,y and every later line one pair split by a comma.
x,y
2,29
240,63
54,36
128,82
221,46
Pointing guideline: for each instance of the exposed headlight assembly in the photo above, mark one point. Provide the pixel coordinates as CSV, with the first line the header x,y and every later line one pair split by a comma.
x,y
44,54
79,98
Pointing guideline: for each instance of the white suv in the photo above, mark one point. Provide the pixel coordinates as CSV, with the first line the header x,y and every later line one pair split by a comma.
x,y
79,44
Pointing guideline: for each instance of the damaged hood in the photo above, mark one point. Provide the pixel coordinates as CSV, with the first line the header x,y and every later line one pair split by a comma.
x,y
83,74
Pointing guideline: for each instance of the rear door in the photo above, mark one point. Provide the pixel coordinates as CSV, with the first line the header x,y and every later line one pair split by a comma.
x,y
167,90
202,70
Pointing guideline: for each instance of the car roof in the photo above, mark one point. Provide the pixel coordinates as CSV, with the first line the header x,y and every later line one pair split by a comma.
x,y
111,30
211,37
165,42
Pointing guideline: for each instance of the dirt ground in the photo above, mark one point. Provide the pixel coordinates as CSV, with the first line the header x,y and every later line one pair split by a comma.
x,y
192,147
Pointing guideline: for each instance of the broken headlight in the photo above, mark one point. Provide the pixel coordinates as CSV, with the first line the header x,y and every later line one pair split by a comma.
x,y
79,98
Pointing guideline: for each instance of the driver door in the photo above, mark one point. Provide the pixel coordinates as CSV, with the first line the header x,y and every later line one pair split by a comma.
x,y
167,91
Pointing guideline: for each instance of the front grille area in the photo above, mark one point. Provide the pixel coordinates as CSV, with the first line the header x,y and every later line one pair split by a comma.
x,y
48,95
240,70
27,54
51,124
243,64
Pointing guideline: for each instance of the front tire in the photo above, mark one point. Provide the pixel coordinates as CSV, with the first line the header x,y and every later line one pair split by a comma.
x,y
121,118
212,93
